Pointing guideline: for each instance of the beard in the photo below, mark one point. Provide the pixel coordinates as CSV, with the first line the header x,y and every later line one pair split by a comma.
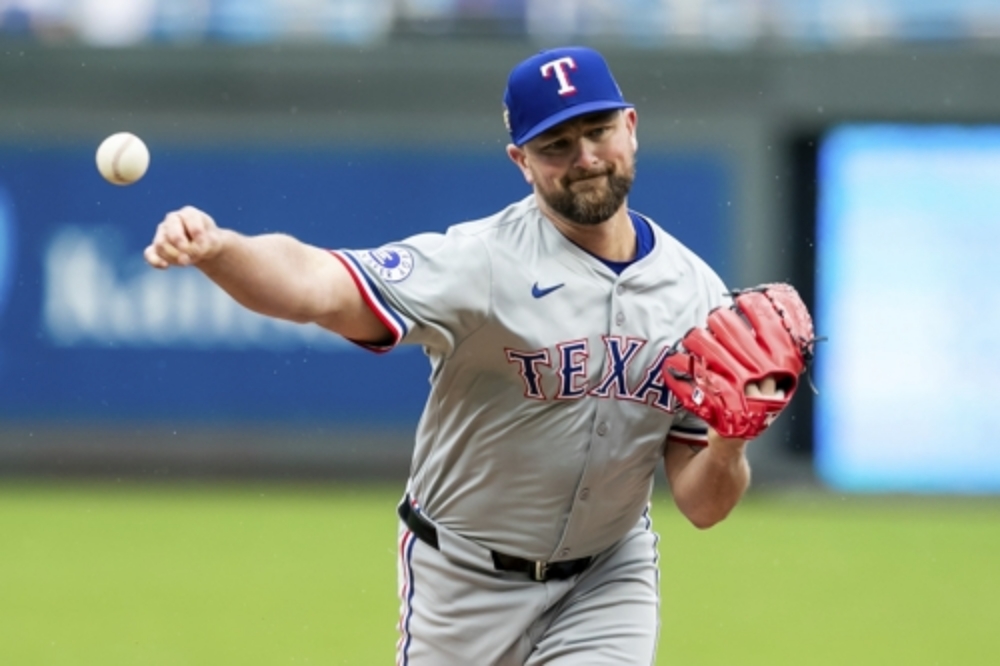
x,y
595,204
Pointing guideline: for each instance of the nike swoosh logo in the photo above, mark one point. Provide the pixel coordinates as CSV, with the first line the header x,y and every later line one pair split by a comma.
x,y
538,292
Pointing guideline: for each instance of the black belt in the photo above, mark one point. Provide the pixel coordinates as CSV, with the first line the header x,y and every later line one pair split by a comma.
x,y
535,570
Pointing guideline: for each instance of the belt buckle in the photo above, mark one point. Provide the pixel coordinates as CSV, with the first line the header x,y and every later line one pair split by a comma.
x,y
541,572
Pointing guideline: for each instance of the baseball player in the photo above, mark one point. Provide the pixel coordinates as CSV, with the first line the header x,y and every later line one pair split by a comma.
x,y
525,535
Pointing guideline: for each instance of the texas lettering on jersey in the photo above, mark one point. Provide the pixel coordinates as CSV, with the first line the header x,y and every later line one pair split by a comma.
x,y
569,362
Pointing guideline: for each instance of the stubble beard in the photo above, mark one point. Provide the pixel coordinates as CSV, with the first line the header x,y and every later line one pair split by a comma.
x,y
594,205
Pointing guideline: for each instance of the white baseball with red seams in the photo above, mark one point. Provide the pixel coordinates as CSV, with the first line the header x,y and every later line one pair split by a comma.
x,y
122,158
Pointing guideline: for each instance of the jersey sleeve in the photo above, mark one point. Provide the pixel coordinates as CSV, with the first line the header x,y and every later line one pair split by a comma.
x,y
430,289
688,428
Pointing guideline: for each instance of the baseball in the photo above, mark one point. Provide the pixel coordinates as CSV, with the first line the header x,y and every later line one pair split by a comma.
x,y
122,158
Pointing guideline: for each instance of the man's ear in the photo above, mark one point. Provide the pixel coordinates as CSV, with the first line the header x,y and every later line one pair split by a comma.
x,y
632,122
519,157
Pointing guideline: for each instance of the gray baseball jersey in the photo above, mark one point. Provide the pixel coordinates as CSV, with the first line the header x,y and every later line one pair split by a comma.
x,y
547,416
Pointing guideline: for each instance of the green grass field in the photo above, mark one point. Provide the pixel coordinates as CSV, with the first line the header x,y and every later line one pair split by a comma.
x,y
184,575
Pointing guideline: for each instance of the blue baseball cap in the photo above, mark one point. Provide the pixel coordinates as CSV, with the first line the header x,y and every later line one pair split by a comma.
x,y
555,85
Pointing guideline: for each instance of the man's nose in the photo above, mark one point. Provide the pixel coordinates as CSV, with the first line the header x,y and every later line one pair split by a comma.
x,y
586,154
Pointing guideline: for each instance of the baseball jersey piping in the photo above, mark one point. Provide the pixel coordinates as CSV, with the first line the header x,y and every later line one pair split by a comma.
x,y
688,435
406,614
375,302
648,518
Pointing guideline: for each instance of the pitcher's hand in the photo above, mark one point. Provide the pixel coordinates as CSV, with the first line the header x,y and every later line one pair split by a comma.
x,y
185,237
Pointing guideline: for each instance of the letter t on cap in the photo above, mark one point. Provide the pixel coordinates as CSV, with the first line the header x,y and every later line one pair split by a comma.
x,y
560,67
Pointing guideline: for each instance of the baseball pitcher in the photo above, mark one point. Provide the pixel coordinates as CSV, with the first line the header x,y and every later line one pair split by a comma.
x,y
574,347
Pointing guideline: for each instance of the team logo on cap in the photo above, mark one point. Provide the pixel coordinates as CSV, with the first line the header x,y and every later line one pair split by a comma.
x,y
560,68
393,264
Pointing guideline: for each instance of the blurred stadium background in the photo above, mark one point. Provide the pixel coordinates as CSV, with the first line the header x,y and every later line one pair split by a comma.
x,y
182,482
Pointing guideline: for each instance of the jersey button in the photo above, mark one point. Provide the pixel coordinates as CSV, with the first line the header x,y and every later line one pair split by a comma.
x,y
619,290
564,552
620,318
585,494
602,428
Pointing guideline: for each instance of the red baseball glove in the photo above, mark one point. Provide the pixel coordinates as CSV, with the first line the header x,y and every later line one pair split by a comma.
x,y
767,332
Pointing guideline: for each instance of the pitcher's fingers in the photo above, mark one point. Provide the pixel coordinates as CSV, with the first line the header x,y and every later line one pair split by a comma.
x,y
163,247
153,259
204,238
196,221
174,230
169,252
752,390
768,386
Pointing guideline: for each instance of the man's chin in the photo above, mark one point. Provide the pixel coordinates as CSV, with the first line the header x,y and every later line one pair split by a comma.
x,y
600,199
592,192
586,205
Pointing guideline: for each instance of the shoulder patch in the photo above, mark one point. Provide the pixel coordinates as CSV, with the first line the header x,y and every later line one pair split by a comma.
x,y
393,264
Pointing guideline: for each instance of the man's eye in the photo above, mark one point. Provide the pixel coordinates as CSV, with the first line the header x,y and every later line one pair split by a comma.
x,y
555,146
